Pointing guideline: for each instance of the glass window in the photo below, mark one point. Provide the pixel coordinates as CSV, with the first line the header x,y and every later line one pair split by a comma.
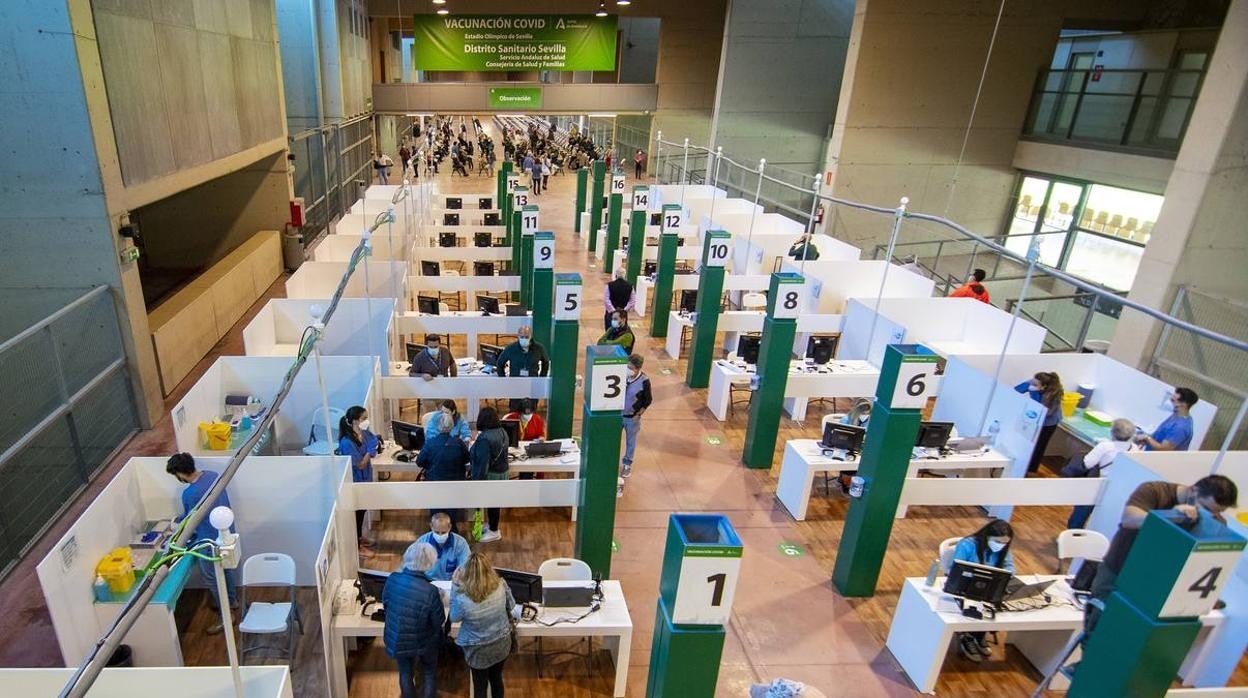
x,y
1030,198
1103,260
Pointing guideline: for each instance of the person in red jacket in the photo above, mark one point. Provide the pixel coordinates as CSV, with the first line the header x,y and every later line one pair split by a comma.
x,y
974,288
532,426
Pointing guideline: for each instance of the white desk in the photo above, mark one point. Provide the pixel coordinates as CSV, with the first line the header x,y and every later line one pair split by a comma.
x,y
926,619
470,323
472,387
803,458
732,283
731,322
680,282
838,378
462,254
612,623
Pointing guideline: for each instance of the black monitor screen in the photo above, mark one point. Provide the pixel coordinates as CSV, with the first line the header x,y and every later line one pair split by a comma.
x,y
428,268
843,436
483,269
748,346
933,434
454,202
427,305
409,437
489,353
370,585
512,427
526,587
483,239
412,351
448,240
487,305
650,268
820,348
976,582
485,202
689,301
656,218
491,219
450,219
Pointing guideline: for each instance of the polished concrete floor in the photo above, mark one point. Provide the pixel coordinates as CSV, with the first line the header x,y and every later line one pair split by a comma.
x,y
787,619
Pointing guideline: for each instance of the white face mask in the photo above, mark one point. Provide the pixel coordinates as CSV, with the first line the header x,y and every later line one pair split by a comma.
x,y
441,537
996,546
365,424
615,324
862,418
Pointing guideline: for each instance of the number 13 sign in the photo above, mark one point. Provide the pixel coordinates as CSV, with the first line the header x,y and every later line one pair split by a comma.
x,y
708,581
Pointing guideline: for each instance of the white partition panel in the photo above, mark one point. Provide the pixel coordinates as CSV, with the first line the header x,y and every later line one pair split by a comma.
x,y
832,283
468,493
321,279
858,341
338,248
183,682
278,327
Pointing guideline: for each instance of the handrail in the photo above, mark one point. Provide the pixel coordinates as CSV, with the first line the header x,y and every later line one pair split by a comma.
x,y
59,313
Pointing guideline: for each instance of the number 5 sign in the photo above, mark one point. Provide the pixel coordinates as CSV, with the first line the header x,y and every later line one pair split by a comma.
x,y
916,382
567,297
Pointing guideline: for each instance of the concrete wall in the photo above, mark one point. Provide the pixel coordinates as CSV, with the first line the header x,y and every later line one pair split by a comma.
x,y
1126,170
781,79
639,49
301,68
353,52
690,48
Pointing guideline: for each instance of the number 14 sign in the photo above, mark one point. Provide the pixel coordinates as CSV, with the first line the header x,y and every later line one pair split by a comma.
x,y
708,581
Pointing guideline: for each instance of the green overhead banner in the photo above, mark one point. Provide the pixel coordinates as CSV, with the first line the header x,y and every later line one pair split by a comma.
x,y
515,98
514,42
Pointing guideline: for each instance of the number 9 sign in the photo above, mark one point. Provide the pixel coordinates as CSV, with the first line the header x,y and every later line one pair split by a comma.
x,y
543,253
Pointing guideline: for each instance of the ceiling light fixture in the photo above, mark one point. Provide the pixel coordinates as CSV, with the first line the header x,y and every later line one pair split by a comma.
x,y
602,9
439,2
623,2
443,11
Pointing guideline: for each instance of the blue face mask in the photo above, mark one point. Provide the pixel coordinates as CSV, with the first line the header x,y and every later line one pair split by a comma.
x,y
524,342
433,351
615,324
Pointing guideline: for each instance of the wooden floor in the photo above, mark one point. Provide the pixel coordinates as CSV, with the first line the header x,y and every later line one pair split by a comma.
x,y
787,621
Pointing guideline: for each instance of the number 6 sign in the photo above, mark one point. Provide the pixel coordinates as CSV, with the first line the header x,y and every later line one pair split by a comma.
x,y
916,382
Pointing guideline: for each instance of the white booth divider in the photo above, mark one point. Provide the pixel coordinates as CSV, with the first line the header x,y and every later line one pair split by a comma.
x,y
472,388
766,252
1120,390
349,380
278,327
700,209
467,494
320,280
470,324
471,285
830,284
676,193
335,561
462,254
184,682
357,223
689,282
281,504
338,248
386,192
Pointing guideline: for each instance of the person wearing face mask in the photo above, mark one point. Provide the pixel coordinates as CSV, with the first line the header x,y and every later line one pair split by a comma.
x,y
990,546
1175,433
355,439
532,426
619,333
488,460
451,548
434,360
198,483
414,618
1045,388
459,425
859,415
444,458
637,399
523,357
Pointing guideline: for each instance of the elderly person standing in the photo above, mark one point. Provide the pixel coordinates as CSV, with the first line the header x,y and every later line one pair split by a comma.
x,y
618,295
444,458
414,620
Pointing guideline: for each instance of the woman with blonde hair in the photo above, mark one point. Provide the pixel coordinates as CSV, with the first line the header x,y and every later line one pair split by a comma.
x,y
482,605
1045,388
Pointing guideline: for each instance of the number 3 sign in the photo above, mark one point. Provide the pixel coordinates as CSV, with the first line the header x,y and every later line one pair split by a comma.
x,y
607,384
916,382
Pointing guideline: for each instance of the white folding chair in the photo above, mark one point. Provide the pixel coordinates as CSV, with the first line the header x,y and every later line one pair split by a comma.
x,y
264,618
1081,543
946,553
753,301
565,569
318,443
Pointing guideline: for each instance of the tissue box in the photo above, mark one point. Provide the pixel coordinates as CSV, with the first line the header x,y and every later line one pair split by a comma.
x,y
1097,417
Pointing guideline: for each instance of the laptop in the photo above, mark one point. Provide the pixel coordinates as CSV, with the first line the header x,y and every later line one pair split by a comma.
x,y
543,449
567,597
1018,590
969,444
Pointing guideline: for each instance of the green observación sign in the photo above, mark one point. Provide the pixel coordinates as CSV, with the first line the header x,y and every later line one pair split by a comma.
x,y
514,42
513,97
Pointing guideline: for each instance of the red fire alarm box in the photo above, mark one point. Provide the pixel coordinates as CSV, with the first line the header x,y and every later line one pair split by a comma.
x,y
296,212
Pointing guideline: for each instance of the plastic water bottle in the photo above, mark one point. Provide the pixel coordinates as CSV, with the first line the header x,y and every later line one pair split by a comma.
x,y
931,573
100,589
993,430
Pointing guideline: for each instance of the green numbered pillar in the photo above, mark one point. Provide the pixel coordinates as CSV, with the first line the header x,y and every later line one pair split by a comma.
x,y
561,345
637,232
542,258
528,227
500,189
1170,578
706,323
519,199
787,295
606,369
582,184
595,204
701,565
669,239
511,181
907,380
615,211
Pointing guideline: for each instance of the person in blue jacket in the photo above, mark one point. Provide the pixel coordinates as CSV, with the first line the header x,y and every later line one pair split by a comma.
x,y
459,425
450,549
990,546
1045,388
356,439
444,458
414,620
1175,433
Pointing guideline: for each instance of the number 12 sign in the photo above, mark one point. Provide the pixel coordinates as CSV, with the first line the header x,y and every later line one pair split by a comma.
x,y
708,581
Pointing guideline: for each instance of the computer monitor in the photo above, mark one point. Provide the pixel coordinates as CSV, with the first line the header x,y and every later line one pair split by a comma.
x,y
491,219
483,269
412,350
606,202
820,348
976,582
656,218
933,434
485,202
526,587
428,268
448,239
748,346
650,268
450,219
427,305
488,353
512,427
370,585
409,437
488,305
483,239
847,437
454,202
689,301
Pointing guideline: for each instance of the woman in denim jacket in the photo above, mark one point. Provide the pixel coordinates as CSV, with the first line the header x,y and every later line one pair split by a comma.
x,y
482,605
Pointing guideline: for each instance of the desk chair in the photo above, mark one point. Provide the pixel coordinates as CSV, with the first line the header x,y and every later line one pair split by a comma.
x,y
262,618
318,443
946,553
1080,543
736,387
754,301
566,569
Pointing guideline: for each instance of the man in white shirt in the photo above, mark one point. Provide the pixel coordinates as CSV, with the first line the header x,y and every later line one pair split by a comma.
x,y
1121,433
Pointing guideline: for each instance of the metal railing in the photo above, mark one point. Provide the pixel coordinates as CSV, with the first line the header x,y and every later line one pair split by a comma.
x,y
68,373
328,162
1144,110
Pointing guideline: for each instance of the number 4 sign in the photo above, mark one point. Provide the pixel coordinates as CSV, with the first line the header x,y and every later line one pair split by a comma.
x,y
708,581
1197,586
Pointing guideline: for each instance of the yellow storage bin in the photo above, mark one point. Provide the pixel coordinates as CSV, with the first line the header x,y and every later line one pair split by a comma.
x,y
1069,402
117,569
214,436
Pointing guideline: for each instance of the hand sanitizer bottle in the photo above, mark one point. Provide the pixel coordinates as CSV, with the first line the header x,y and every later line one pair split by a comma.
x,y
932,570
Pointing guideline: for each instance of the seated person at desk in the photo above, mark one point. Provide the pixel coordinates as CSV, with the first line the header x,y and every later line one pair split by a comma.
x,y
414,619
1100,457
444,457
532,426
488,461
858,416
1045,388
356,440
619,333
990,546
433,362
1175,433
450,547
198,482
523,357
459,425
803,248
